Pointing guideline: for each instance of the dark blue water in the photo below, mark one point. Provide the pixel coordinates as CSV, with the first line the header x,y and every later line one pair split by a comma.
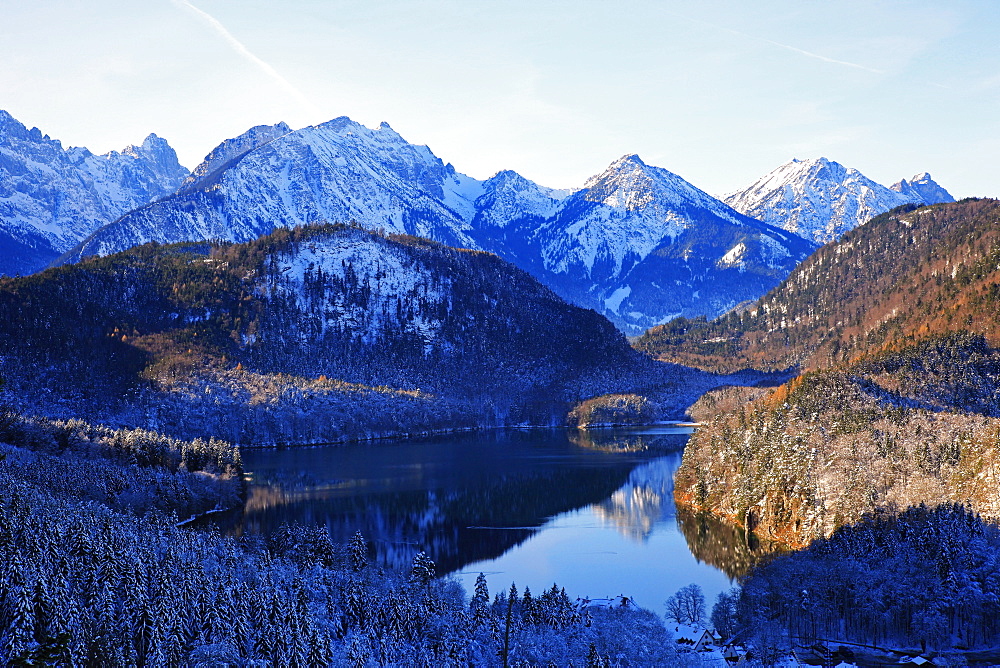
x,y
591,511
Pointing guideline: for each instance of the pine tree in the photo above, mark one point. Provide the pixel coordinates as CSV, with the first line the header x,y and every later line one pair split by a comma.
x,y
423,569
479,605
240,624
508,624
358,552
320,651
21,634
528,611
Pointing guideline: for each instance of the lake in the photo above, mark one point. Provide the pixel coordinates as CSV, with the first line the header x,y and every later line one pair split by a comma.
x,y
592,511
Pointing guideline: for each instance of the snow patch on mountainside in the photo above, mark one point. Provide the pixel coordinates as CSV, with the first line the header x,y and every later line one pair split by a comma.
x,y
460,194
734,258
390,276
606,234
614,302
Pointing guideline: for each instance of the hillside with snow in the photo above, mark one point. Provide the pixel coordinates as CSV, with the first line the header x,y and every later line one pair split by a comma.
x,y
316,333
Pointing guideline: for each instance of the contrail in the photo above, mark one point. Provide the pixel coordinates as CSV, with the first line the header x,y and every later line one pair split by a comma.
x,y
811,54
803,52
241,49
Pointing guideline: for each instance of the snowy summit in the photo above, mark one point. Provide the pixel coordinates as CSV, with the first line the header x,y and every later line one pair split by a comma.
x,y
820,200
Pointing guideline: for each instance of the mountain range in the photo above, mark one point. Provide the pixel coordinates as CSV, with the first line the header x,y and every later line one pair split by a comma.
x,y
51,198
641,245
636,243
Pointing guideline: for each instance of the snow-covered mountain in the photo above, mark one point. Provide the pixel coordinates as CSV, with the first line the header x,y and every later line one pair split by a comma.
x,y
51,198
820,199
642,245
271,177
508,196
636,243
922,188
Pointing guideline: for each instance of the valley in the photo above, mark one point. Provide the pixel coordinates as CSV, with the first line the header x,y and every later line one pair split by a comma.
x,y
318,334
455,353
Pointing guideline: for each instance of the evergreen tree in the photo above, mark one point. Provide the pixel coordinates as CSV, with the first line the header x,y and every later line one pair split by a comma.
x,y
358,551
423,569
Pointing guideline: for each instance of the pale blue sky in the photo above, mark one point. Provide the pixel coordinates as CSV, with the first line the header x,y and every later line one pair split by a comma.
x,y
718,92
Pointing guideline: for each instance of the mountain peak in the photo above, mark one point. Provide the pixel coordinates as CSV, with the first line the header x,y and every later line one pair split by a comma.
x,y
506,178
14,129
151,145
627,182
824,169
629,166
161,158
923,189
817,198
7,119
629,161
632,184
344,126
339,123
153,140
507,196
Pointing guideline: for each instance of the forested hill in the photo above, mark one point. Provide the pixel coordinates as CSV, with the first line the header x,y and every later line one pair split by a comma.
x,y
313,334
905,276
899,404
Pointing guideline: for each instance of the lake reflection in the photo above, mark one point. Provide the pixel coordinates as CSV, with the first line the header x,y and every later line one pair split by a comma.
x,y
592,511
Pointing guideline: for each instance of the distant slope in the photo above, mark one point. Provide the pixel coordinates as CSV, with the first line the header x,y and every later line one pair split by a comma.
x,y
922,188
821,199
311,334
908,274
636,243
51,198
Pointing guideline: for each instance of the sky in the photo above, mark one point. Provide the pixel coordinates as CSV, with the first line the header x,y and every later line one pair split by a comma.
x,y
717,92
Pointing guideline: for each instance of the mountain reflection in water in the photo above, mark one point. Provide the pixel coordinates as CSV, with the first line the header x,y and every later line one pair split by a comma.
x,y
645,500
473,498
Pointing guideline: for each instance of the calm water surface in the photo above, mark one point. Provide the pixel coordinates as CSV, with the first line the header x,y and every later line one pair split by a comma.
x,y
591,511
